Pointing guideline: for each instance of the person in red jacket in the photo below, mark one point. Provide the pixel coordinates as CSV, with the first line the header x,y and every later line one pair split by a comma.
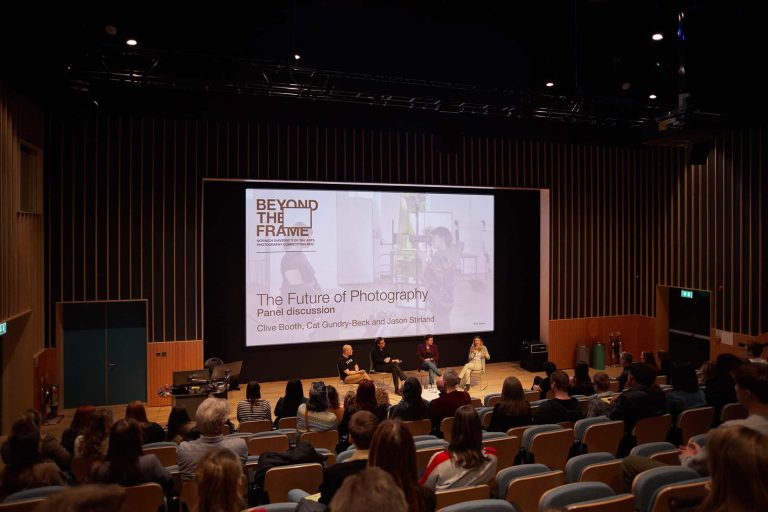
x,y
429,358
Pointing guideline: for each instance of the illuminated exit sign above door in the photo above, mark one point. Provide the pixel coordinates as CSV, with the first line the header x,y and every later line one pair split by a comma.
x,y
3,328
686,294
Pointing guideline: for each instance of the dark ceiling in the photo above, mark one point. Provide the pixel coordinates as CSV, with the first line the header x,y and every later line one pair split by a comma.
x,y
448,56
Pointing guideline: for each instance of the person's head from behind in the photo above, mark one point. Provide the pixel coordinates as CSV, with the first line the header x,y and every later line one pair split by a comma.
x,y
125,443
23,444
450,379
372,489
752,384
581,373
178,417
333,397
393,450
318,397
626,359
640,373
211,416
86,498
294,389
219,473
382,397
349,398
755,350
559,380
412,391
33,416
365,398
549,367
81,418
135,411
707,371
725,364
253,391
512,390
738,462
602,382
648,358
362,426
684,379
466,438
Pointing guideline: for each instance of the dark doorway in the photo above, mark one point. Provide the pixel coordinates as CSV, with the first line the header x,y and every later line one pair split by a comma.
x,y
689,326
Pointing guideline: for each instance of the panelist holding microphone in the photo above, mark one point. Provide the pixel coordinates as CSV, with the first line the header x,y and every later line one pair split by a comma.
x,y
349,371
383,362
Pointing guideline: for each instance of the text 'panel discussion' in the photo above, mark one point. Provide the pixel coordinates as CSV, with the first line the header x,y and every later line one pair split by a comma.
x,y
383,256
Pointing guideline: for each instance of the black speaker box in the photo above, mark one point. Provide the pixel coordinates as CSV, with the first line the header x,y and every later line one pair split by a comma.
x,y
533,356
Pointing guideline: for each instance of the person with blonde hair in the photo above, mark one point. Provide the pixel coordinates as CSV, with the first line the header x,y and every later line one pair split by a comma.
x,y
478,355
93,443
219,473
738,466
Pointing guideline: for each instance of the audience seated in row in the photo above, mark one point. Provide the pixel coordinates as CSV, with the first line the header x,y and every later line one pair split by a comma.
x,y
180,426
600,402
513,410
451,399
411,407
581,383
685,392
253,408
562,407
288,405
314,415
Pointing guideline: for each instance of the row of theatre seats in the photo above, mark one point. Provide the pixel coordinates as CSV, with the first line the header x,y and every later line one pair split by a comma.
x,y
568,466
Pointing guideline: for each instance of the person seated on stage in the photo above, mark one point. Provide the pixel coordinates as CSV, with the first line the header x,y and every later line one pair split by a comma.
x,y
372,489
211,418
581,383
349,370
384,362
478,355
180,426
445,405
560,408
253,408
362,425
365,400
288,404
126,464
412,407
513,410
334,405
625,359
394,451
429,358
219,474
314,416
25,467
94,442
543,385
599,403
151,432
465,462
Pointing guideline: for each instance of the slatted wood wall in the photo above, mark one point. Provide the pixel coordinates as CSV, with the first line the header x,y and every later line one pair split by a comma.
x,y
124,201
21,256
164,358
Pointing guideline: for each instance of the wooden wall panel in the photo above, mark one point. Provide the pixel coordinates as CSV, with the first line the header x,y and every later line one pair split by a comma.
x,y
124,195
566,335
163,358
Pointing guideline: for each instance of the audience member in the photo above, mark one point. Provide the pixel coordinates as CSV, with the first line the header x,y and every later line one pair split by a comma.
x,y
665,363
365,400
561,407
86,498
94,441
599,403
180,426
81,418
126,464
393,450
706,372
647,359
25,467
581,383
333,403
50,448
373,490
253,408
151,432
219,473
362,426
738,465
625,359
513,410
465,462
685,392
314,416
720,390
446,404
288,404
543,385
211,417
642,400
412,407
382,398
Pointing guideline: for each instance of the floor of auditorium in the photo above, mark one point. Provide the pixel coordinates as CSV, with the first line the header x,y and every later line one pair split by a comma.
x,y
271,391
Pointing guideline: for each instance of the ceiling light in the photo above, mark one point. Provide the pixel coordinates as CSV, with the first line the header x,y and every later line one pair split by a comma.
x,y
652,97
657,36
625,86
296,56
550,84
131,42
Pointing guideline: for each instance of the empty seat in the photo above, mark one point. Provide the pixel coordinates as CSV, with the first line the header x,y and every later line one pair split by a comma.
x,y
278,507
733,412
475,403
530,431
255,426
287,422
462,494
507,449
693,422
524,485
279,480
575,465
445,427
145,497
551,448
34,493
420,427
684,495
620,503
491,399
274,443
610,473
662,451
652,429
648,483
484,505
569,494
165,452
327,439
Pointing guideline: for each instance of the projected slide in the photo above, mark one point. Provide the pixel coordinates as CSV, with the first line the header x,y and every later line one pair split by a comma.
x,y
325,265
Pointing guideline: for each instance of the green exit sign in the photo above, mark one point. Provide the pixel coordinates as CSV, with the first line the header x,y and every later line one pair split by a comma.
x,y
3,328
686,294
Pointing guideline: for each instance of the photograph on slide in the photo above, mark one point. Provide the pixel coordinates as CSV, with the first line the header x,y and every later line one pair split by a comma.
x,y
326,265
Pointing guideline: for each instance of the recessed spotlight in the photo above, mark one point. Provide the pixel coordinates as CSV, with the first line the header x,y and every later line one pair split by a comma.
x,y
550,84
625,86
652,97
110,29
296,56
657,36
131,42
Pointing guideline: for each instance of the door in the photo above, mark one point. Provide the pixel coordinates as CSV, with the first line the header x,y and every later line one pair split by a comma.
x,y
689,326
126,351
